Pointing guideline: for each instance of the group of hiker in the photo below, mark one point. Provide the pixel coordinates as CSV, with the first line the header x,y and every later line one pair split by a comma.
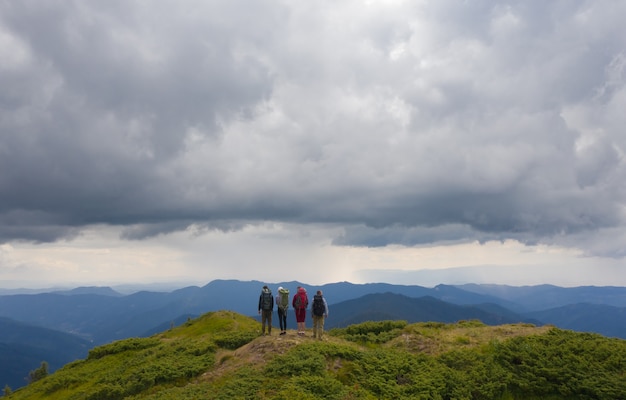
x,y
300,304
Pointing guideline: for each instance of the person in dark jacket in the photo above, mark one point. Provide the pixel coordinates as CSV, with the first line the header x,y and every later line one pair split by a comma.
x,y
266,308
319,312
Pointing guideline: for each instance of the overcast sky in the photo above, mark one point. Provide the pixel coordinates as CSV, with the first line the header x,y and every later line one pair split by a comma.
x,y
415,142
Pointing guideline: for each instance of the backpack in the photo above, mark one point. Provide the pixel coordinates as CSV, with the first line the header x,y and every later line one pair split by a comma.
x,y
284,299
266,301
318,305
300,301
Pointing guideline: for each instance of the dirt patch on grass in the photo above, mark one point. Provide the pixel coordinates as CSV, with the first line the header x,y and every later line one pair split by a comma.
x,y
254,354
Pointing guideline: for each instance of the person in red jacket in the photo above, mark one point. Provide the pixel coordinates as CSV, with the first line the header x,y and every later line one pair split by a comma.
x,y
300,303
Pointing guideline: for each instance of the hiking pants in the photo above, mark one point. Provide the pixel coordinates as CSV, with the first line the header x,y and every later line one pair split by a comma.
x,y
266,317
318,326
282,319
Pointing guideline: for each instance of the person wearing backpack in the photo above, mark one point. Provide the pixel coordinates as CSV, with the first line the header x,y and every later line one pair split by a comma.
x,y
266,308
319,311
300,303
282,304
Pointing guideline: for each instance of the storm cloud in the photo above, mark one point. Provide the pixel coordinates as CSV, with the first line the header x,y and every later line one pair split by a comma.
x,y
401,122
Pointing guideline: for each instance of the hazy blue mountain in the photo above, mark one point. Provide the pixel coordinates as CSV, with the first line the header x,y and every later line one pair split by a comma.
x,y
384,306
609,321
23,347
391,306
8,292
103,318
80,314
103,315
507,313
544,297
99,290
181,319
453,294
339,292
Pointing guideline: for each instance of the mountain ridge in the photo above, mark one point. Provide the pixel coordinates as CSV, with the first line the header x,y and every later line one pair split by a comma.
x,y
103,318
426,308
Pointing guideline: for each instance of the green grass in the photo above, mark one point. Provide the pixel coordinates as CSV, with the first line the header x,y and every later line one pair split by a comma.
x,y
142,365
221,356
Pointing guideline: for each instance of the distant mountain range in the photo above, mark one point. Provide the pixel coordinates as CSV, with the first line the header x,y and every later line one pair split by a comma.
x,y
391,306
23,347
96,315
544,297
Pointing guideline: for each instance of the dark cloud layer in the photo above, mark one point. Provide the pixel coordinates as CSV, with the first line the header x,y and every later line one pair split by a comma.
x,y
405,122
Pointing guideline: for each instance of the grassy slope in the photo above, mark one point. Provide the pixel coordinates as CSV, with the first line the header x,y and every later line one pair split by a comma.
x,y
221,356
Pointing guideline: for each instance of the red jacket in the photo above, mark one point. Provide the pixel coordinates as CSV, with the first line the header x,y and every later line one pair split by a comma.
x,y
304,300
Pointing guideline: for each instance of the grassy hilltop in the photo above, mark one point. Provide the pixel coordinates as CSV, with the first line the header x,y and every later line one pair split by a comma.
x,y
220,355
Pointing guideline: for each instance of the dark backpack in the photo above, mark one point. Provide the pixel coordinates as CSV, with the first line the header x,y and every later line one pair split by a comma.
x,y
318,305
266,301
